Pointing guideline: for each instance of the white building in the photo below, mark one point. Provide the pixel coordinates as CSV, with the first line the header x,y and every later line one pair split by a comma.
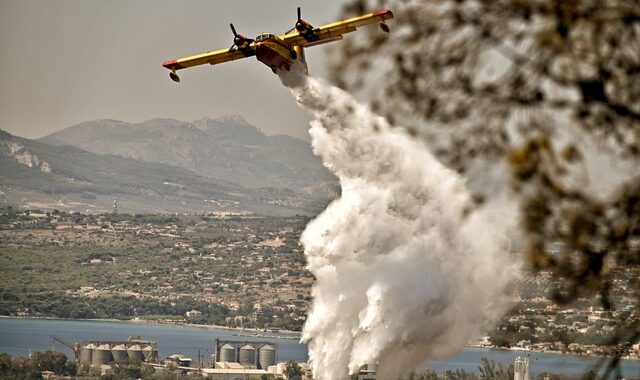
x,y
194,313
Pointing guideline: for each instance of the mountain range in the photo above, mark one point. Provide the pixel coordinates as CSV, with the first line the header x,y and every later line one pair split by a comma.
x,y
227,148
164,166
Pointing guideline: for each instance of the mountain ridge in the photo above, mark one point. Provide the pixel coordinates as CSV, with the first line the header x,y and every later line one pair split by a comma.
x,y
227,148
34,174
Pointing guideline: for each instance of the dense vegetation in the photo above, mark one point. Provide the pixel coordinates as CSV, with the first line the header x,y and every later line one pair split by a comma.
x,y
236,271
32,367
59,305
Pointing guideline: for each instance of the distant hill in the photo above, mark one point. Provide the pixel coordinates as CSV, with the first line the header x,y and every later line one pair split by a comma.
x,y
228,148
38,175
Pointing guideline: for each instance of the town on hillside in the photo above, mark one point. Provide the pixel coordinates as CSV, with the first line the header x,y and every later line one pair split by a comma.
x,y
233,270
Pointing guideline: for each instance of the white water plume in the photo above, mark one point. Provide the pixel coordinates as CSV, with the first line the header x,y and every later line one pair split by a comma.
x,y
404,274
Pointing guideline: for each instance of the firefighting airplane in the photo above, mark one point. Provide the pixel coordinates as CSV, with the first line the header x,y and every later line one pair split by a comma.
x,y
283,51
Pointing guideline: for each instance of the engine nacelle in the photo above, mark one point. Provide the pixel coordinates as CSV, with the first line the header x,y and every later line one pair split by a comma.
x,y
304,27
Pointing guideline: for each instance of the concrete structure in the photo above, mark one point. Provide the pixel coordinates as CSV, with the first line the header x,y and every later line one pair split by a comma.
x,y
86,353
227,353
247,356
95,352
181,360
150,354
233,373
119,353
266,356
102,355
251,354
135,353
227,365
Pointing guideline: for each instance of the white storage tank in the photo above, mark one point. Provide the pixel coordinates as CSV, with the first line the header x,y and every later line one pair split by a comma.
x,y
150,354
247,356
102,355
227,353
266,356
119,353
86,353
135,353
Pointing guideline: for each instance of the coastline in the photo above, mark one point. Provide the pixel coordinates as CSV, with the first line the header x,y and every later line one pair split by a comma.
x,y
550,352
138,320
250,332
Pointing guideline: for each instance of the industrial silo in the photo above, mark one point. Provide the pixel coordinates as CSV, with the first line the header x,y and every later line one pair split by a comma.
x,y
86,353
266,356
227,353
102,355
150,354
119,353
247,356
135,353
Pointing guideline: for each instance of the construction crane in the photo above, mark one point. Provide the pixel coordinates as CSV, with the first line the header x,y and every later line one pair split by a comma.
x,y
75,347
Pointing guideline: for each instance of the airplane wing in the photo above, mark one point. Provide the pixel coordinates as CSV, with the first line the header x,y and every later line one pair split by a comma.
x,y
334,31
212,58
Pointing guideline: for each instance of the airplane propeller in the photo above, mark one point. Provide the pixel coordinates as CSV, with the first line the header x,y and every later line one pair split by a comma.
x,y
301,25
239,40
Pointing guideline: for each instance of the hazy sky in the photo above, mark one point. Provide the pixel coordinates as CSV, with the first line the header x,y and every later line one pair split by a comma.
x,y
68,61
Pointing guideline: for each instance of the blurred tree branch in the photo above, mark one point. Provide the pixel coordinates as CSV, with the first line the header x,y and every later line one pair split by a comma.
x,y
549,90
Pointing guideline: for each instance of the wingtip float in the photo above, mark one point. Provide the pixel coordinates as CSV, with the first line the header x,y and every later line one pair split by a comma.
x,y
280,51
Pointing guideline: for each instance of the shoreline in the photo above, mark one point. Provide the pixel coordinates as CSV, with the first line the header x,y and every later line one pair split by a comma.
x,y
529,351
291,334
138,320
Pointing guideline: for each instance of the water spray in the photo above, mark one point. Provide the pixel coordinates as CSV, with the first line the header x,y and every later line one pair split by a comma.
x,y
406,272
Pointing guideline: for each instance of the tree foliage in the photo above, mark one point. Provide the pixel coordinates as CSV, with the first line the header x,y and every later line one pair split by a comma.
x,y
535,101
492,370
60,305
33,366
489,370
292,370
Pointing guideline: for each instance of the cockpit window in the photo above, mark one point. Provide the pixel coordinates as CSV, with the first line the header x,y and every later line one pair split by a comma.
x,y
264,36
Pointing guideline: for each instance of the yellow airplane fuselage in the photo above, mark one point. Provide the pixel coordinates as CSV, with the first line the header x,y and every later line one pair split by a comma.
x,y
271,51
280,52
